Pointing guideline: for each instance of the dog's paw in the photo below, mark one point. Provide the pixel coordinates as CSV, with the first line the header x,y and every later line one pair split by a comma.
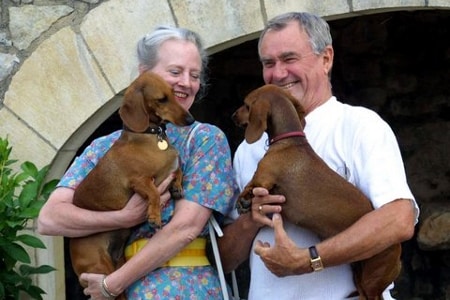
x,y
243,205
154,224
154,220
176,193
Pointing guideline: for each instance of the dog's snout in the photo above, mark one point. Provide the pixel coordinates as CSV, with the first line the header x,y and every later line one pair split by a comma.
x,y
234,117
240,117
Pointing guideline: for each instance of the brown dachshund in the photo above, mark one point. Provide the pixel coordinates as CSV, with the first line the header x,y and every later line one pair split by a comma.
x,y
317,198
136,163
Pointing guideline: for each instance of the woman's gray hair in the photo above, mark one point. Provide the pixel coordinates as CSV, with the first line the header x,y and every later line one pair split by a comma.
x,y
148,48
315,27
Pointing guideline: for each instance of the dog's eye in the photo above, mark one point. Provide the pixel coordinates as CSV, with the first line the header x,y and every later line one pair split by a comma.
x,y
163,100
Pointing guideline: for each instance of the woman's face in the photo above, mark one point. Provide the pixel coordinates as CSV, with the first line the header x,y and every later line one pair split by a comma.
x,y
180,65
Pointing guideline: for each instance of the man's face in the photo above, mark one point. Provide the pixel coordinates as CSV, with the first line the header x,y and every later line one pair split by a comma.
x,y
289,61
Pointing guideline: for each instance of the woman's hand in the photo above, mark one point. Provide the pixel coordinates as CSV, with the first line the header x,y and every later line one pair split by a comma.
x,y
95,287
163,189
264,205
135,211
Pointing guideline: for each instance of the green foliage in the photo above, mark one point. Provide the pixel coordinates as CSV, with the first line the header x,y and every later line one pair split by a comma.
x,y
21,197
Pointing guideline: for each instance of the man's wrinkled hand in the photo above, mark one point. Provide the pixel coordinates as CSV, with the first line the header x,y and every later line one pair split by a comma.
x,y
264,205
284,258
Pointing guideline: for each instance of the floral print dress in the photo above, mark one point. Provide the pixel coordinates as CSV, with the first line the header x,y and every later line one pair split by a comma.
x,y
208,179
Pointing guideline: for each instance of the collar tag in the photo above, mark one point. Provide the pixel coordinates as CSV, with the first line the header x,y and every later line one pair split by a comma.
x,y
162,144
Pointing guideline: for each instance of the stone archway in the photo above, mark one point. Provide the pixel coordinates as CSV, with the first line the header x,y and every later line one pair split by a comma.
x,y
68,86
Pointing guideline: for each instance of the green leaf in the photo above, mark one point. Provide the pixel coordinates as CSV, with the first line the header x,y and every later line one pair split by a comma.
x,y
21,198
19,178
17,252
28,270
25,281
35,292
15,224
29,192
41,174
29,213
48,188
30,241
11,161
30,169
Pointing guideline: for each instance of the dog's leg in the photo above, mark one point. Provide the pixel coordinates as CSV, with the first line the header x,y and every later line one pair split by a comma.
x,y
374,275
260,179
90,255
244,202
147,189
176,186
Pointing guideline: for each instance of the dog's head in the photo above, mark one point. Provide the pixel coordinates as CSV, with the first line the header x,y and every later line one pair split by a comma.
x,y
150,100
257,109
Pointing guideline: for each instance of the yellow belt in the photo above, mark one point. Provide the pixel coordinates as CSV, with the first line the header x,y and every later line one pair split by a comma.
x,y
193,255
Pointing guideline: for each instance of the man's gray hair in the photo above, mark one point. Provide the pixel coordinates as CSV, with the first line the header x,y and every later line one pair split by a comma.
x,y
315,27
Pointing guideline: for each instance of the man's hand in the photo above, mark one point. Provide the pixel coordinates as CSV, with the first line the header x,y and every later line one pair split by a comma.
x,y
264,205
284,258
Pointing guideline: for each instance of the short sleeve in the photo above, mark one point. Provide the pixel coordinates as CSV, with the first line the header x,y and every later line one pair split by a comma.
x,y
207,170
378,162
84,163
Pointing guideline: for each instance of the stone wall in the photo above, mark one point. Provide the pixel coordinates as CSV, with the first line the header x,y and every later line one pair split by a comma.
x,y
64,64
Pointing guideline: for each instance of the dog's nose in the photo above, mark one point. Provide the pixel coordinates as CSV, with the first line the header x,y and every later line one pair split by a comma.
x,y
234,118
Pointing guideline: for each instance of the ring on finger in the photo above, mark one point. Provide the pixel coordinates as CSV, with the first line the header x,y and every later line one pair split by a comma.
x,y
260,209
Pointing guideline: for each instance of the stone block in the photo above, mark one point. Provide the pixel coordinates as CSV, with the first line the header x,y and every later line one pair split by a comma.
x,y
385,4
434,232
28,22
113,29
58,88
322,8
27,145
220,21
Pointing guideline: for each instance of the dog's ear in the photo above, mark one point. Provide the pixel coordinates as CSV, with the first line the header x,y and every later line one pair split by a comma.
x,y
132,111
299,109
257,122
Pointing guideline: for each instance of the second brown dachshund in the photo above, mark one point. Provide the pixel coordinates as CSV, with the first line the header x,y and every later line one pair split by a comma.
x,y
317,198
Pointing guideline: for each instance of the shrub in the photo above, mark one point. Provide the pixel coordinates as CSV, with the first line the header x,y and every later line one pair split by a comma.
x,y
22,195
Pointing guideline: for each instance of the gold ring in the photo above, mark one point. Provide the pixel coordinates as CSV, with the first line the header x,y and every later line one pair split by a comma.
x,y
260,209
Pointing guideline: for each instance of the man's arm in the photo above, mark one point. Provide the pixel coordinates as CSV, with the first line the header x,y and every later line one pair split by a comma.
x,y
390,224
237,239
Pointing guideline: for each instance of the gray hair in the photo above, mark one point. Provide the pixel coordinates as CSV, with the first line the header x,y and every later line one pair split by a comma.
x,y
148,49
315,27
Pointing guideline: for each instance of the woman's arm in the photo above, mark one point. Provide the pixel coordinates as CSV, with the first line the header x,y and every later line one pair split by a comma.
x,y
60,217
188,221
